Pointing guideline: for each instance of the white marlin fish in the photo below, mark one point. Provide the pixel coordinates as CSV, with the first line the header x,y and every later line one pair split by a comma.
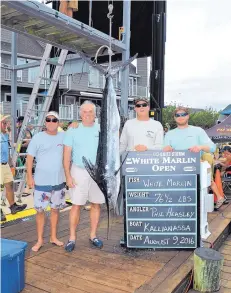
x,y
106,170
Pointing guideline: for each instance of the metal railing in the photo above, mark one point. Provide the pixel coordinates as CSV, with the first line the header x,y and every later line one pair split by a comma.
x,y
135,91
66,112
1,108
64,81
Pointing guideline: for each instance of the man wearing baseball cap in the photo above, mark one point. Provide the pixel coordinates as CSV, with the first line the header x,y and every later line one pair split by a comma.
x,y
48,181
141,133
6,176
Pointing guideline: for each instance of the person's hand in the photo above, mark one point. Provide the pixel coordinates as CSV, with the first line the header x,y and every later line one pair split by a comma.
x,y
195,149
30,182
70,182
168,148
74,125
141,148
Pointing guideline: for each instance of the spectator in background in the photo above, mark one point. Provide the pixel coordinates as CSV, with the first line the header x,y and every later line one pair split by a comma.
x,y
5,173
141,133
27,137
68,7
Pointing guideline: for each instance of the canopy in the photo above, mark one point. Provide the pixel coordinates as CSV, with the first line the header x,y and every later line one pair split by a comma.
x,y
221,132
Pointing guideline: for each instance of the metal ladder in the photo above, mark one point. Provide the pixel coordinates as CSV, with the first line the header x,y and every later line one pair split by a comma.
x,y
36,117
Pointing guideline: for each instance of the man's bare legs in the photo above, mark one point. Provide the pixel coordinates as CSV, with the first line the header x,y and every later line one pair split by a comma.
x,y
40,221
94,219
54,222
74,221
9,193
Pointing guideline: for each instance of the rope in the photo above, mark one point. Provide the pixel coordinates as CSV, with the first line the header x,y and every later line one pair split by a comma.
x,y
109,48
110,16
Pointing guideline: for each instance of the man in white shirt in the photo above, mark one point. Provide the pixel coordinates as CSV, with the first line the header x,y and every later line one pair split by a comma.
x,y
141,133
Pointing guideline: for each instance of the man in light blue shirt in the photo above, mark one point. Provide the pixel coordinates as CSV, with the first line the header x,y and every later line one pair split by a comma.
x,y
48,181
6,177
79,142
187,137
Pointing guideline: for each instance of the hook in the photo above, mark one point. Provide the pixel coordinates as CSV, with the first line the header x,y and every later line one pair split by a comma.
x,y
110,8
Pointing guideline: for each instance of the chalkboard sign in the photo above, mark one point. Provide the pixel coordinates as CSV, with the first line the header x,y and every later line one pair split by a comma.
x,y
161,199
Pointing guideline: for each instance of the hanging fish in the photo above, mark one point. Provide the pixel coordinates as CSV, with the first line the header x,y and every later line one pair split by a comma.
x,y
106,170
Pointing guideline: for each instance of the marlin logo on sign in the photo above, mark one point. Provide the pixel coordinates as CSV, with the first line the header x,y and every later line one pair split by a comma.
x,y
189,169
131,170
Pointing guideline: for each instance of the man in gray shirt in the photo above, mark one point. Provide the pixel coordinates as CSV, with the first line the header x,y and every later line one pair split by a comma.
x,y
141,133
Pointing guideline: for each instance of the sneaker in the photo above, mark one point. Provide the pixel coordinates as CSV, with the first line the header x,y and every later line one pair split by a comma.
x,y
15,208
3,217
70,246
96,242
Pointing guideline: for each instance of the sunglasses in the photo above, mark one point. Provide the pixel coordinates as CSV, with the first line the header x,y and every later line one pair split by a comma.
x,y
55,120
181,114
141,105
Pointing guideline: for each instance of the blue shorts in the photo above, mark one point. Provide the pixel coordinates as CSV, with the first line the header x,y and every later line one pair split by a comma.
x,y
53,196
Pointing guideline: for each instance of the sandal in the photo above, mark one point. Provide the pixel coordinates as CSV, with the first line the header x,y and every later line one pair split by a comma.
x,y
219,203
96,242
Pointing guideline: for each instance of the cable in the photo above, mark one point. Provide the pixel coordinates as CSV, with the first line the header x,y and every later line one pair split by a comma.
x,y
211,243
189,284
222,214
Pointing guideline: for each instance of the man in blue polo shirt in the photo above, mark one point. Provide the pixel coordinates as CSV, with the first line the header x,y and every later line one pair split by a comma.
x,y
79,142
6,177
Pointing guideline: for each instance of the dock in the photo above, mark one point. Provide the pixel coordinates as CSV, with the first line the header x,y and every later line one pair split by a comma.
x,y
114,269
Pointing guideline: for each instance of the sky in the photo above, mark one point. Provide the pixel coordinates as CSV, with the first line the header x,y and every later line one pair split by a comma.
x,y
198,53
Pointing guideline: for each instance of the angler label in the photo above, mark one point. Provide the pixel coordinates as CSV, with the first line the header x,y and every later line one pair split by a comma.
x,y
161,207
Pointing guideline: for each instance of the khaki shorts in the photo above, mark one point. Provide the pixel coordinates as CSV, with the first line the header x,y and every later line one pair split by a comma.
x,y
6,174
85,189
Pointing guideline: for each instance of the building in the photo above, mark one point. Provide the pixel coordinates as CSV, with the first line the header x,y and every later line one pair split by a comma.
x,y
78,81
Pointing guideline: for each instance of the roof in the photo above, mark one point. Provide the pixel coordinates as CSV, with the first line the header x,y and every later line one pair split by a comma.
x,y
221,132
227,110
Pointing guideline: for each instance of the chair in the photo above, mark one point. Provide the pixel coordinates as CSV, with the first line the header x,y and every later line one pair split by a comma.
x,y
226,182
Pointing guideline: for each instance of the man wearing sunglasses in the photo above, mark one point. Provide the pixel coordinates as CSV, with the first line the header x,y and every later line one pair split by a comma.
x,y
142,133
187,137
48,181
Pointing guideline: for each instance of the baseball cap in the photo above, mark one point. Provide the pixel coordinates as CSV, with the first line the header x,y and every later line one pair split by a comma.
x,y
139,99
53,113
2,117
20,119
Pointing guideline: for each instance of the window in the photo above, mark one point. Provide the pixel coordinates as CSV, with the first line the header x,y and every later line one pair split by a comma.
x,y
33,73
8,74
7,97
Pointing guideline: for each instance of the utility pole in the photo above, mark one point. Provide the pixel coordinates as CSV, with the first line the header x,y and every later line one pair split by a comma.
x,y
158,58
55,101
14,86
125,56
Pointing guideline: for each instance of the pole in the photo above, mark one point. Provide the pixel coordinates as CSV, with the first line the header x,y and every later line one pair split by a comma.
x,y
14,87
90,12
55,101
125,56
158,57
